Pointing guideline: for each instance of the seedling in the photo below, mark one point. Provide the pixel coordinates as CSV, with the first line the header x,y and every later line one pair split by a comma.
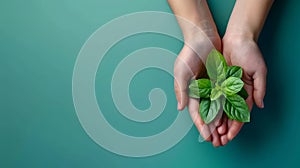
x,y
223,89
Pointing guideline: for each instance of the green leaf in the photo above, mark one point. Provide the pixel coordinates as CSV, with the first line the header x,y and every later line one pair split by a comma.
x,y
216,66
215,93
236,108
209,110
200,88
243,93
232,85
205,88
194,90
234,71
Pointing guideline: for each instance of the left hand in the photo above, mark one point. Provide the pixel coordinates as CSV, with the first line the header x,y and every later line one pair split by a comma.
x,y
243,51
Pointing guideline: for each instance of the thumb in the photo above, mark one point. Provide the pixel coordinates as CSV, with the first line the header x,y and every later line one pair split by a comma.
x,y
183,72
180,86
260,87
182,75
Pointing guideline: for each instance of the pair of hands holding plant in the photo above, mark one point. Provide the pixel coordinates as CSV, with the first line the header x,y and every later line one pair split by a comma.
x,y
239,48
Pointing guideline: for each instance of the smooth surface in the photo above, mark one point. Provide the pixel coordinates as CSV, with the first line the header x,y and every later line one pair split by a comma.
x,y
39,43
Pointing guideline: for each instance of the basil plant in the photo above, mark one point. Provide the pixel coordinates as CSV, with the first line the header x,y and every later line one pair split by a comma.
x,y
224,90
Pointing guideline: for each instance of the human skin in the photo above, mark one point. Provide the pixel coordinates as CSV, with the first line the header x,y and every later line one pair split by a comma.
x,y
240,48
200,37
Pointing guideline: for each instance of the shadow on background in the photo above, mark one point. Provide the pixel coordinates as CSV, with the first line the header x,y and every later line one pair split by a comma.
x,y
265,123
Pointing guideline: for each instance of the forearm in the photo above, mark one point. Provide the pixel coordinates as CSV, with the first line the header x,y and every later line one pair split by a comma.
x,y
248,17
196,12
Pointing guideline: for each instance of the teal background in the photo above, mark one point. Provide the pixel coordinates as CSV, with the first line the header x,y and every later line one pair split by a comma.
x,y
39,43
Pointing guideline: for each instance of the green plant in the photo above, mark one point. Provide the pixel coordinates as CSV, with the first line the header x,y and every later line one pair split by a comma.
x,y
223,89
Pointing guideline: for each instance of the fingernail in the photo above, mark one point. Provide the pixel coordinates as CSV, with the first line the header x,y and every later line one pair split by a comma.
x,y
229,136
178,106
262,104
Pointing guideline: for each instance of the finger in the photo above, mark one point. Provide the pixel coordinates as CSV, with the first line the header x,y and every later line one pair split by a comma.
x,y
224,140
219,119
187,66
227,58
181,93
223,128
193,107
218,123
205,133
249,100
182,74
215,138
234,129
260,87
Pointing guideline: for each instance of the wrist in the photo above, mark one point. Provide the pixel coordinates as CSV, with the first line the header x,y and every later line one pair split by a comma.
x,y
202,33
194,19
237,38
198,30
241,32
248,17
237,41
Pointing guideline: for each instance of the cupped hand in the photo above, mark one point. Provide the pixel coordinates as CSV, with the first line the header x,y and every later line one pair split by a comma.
x,y
243,51
189,65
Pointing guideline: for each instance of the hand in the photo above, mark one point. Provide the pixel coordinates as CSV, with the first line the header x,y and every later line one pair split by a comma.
x,y
242,50
189,65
